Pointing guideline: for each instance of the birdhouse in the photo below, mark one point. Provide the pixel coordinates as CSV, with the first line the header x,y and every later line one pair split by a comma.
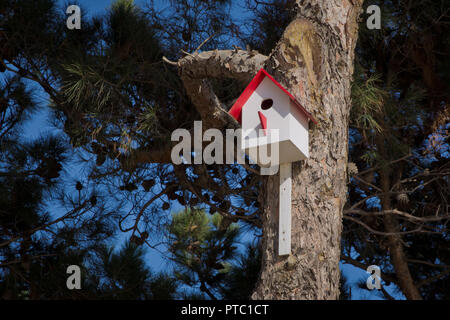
x,y
265,105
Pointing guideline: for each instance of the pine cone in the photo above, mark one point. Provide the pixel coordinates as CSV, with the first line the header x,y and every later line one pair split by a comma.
x,y
402,198
352,169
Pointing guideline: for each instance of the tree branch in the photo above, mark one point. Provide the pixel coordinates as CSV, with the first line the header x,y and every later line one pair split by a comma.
x,y
398,213
196,68
71,214
232,64
381,233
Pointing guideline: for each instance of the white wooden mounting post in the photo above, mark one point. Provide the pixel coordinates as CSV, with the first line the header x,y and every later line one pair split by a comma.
x,y
284,236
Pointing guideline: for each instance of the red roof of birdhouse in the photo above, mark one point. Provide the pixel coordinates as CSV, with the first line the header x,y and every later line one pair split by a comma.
x,y
236,109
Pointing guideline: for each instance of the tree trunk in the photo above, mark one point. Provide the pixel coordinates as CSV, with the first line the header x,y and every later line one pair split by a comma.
x,y
397,253
314,60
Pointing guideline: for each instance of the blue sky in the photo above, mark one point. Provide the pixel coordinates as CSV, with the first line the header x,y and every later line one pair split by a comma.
x,y
40,124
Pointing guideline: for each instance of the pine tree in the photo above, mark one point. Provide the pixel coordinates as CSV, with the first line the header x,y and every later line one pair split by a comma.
x,y
123,83
120,99
241,279
124,275
37,246
397,210
202,246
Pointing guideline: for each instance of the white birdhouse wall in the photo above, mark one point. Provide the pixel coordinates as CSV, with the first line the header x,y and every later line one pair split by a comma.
x,y
276,115
283,115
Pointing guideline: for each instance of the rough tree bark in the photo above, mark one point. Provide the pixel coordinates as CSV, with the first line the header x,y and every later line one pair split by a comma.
x,y
314,61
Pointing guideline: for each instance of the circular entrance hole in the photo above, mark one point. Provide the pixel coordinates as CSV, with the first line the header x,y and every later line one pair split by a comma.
x,y
266,104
